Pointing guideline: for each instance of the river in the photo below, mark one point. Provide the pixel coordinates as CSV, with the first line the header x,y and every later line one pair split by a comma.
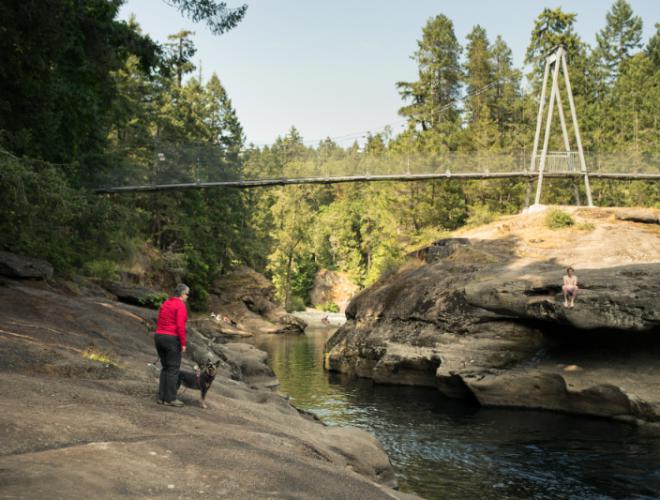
x,y
442,448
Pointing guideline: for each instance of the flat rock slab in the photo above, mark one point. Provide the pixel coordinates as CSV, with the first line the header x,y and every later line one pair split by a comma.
x,y
643,215
72,427
623,298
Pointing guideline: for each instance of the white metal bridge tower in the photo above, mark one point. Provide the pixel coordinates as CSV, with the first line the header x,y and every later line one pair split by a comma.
x,y
557,160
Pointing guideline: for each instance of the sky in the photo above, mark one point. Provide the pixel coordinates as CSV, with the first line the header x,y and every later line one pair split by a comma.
x,y
329,68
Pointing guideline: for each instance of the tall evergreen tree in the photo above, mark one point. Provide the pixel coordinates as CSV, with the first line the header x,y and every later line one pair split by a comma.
x,y
618,39
435,93
552,27
507,103
180,50
479,73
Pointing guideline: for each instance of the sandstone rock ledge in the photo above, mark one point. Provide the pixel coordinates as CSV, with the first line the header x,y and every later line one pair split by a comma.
x,y
79,417
484,318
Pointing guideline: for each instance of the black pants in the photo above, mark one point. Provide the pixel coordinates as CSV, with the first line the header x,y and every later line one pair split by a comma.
x,y
169,352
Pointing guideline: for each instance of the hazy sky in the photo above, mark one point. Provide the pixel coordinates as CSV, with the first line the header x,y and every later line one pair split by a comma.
x,y
329,67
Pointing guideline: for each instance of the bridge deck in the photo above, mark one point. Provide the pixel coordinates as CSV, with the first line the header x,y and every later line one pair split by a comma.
x,y
247,183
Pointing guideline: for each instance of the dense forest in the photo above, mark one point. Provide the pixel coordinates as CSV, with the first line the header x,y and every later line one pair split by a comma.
x,y
85,97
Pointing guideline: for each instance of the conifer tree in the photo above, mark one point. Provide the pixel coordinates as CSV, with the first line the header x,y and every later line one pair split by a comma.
x,y
434,95
552,27
507,99
479,73
618,39
653,47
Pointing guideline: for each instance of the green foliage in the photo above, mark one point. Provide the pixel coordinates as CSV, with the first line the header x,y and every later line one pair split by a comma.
x,y
621,35
105,270
154,301
552,27
386,261
48,218
558,219
480,215
218,16
296,303
330,307
435,93
197,276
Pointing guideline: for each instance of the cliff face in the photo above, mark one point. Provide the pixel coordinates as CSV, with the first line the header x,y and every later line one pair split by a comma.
x,y
482,316
332,286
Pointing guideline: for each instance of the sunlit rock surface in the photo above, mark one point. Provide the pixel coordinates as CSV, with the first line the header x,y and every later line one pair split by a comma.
x,y
481,315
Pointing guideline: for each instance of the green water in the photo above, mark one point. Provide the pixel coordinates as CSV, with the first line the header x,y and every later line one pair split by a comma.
x,y
441,448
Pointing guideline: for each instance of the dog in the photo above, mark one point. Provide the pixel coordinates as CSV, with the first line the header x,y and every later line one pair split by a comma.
x,y
200,379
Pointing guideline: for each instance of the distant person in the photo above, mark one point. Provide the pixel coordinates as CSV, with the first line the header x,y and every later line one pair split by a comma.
x,y
570,287
227,319
170,339
325,320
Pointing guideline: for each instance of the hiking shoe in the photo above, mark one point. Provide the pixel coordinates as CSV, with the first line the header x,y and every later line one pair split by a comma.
x,y
176,403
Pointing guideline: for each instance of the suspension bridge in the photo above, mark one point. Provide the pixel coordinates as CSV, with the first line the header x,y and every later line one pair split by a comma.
x,y
177,173
205,166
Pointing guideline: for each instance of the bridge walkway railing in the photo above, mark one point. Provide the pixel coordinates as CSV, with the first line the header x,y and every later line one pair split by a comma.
x,y
203,164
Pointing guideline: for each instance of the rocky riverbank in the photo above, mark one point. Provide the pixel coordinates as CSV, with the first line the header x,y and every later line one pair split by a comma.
x,y
79,415
481,316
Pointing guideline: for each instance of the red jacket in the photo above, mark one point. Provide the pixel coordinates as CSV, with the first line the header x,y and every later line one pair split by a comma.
x,y
172,319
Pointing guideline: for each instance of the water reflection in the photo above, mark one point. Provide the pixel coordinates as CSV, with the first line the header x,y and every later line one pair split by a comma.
x,y
446,449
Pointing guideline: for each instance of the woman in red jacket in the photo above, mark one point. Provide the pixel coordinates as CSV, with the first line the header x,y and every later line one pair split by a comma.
x,y
170,341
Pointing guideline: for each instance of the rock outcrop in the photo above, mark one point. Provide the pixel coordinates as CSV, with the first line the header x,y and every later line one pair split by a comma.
x,y
136,295
247,297
481,316
332,287
621,298
22,267
79,415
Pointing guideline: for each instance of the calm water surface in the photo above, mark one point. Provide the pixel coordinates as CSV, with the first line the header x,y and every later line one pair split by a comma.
x,y
443,449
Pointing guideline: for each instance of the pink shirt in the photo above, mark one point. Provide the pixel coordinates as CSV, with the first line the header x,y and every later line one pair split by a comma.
x,y
172,319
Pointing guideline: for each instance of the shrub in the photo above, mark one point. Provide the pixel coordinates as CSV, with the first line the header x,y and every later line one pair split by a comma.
x,y
557,219
329,306
154,301
585,226
296,303
479,215
103,269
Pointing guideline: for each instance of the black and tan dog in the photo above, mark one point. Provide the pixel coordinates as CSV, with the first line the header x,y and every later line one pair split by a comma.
x,y
201,379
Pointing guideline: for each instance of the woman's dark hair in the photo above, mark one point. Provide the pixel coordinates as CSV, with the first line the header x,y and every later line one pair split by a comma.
x,y
570,269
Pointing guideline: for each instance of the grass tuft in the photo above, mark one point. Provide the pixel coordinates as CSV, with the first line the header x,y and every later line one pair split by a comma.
x,y
558,219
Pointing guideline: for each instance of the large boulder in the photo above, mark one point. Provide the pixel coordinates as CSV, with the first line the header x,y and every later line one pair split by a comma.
x,y
482,317
19,266
246,297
